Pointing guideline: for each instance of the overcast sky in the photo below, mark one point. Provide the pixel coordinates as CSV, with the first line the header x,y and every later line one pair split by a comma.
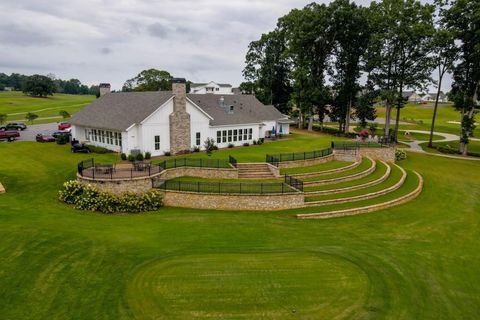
x,y
113,40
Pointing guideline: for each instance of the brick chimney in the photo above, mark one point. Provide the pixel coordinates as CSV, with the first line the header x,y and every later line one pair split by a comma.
x,y
180,139
104,88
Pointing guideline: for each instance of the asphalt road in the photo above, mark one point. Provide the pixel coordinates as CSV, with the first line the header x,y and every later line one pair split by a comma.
x,y
32,130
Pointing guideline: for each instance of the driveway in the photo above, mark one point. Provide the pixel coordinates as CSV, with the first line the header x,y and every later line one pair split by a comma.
x,y
32,130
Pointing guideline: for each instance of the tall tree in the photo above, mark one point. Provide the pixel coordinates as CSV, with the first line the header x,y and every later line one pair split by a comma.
x,y
39,86
267,70
398,54
462,18
351,37
444,52
149,80
364,107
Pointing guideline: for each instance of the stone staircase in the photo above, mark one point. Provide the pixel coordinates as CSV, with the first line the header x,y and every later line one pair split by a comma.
x,y
254,171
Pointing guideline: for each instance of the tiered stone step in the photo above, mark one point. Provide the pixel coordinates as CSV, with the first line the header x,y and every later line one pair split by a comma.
x,y
254,171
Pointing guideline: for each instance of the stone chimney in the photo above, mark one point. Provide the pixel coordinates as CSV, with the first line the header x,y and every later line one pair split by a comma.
x,y
180,139
104,88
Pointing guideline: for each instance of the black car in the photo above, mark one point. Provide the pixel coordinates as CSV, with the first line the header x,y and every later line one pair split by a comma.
x,y
80,148
58,133
14,126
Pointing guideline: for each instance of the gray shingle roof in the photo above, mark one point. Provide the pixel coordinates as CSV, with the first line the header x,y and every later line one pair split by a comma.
x,y
118,111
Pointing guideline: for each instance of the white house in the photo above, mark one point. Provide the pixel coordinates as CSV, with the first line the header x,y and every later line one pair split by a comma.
x,y
412,96
211,87
174,121
433,96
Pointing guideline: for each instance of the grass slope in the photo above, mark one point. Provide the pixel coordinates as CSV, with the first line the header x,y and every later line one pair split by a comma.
x,y
17,104
334,164
416,261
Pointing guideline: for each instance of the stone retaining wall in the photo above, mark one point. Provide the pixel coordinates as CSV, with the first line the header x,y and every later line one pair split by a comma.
x,y
116,186
265,202
304,163
385,154
354,211
199,172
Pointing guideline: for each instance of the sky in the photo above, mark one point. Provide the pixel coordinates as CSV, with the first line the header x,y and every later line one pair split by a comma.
x,y
113,40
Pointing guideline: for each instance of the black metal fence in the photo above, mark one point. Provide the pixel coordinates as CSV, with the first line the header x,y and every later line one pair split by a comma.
x,y
85,164
232,161
274,159
223,187
351,145
96,171
293,182
189,162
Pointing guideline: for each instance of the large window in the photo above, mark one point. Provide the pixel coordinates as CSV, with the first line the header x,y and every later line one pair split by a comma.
x,y
219,136
224,136
235,135
240,135
197,139
229,135
250,131
157,142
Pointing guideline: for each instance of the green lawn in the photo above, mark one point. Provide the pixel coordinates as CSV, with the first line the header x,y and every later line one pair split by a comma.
x,y
473,145
364,165
334,164
420,117
17,104
417,136
415,261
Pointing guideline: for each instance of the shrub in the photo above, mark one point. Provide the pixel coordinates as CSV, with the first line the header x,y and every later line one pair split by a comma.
x,y
87,197
97,149
230,145
261,140
123,156
254,142
139,157
62,139
400,154
148,155
196,149
209,145
246,144
131,157
215,147
364,134
167,153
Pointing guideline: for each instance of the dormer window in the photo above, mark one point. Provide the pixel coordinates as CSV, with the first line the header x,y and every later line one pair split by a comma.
x,y
230,110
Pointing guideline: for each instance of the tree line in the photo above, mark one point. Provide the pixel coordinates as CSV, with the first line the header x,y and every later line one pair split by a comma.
x,y
42,86
339,59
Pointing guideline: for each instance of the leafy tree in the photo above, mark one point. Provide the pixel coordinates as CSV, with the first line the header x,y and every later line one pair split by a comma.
x,y
209,145
16,81
462,18
267,70
31,117
3,118
39,86
445,52
149,80
352,35
364,107
398,52
64,114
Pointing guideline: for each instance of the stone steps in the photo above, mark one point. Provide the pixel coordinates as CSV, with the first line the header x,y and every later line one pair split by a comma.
x,y
254,171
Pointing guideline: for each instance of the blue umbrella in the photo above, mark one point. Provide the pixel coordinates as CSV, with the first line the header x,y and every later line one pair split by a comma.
x,y
281,129
273,131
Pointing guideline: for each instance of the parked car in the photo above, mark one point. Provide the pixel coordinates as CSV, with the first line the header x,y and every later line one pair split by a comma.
x,y
64,125
14,126
80,148
58,133
9,135
44,138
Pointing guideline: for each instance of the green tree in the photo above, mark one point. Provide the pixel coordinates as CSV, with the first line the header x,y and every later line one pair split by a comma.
x,y
31,117
364,107
462,18
39,86
398,55
3,118
149,80
64,114
267,70
445,52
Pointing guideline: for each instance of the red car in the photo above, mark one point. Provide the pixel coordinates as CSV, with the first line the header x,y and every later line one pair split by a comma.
x,y
9,135
64,126
44,138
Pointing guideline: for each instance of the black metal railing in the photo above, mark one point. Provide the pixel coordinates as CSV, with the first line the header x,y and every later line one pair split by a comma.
x,y
96,171
223,187
352,145
274,159
293,182
189,162
232,161
85,164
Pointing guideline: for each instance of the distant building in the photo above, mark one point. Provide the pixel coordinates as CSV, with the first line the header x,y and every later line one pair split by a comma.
x,y
104,88
430,97
412,96
211,88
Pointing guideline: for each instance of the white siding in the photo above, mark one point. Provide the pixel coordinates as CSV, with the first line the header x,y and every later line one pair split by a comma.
x,y
199,122
157,124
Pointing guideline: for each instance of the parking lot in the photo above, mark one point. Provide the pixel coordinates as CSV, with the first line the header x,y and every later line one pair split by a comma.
x,y
32,130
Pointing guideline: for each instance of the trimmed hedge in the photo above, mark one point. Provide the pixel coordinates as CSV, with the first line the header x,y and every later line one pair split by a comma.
x,y
87,197
97,149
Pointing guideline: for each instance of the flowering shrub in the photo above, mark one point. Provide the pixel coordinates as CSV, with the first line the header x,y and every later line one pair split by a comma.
x,y
364,134
87,197
400,154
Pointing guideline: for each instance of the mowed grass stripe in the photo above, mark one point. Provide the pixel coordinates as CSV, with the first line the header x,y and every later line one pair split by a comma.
x,y
395,176
379,171
334,164
364,165
411,182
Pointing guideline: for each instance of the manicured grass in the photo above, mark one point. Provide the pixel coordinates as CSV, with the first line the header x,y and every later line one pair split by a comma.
x,y
473,145
417,136
420,117
17,104
379,171
415,261
364,165
334,164
392,179
190,179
